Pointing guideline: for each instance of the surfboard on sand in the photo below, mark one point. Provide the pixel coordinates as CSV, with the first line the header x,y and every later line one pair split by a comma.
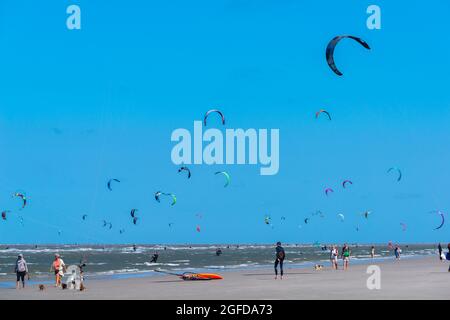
x,y
190,276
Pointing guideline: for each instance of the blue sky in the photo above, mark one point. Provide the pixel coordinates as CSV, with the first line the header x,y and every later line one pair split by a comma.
x,y
78,107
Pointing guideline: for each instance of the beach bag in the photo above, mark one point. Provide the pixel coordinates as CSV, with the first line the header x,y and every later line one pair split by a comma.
x,y
21,266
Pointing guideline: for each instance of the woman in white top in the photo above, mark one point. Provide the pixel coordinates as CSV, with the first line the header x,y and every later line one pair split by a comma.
x,y
333,257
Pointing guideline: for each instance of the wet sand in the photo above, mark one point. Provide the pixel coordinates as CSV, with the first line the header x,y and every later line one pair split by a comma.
x,y
421,278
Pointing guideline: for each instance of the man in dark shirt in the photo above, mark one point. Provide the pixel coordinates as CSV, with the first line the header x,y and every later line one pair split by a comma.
x,y
279,258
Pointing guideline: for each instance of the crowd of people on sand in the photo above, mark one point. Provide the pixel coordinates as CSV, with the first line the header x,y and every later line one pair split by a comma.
x,y
58,267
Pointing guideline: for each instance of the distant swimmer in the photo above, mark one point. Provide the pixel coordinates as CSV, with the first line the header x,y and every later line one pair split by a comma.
x,y
279,259
154,257
218,252
134,248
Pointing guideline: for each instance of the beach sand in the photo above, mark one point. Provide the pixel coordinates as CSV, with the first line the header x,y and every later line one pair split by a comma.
x,y
421,278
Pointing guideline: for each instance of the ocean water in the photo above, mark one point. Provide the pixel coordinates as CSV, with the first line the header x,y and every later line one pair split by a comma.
x,y
123,261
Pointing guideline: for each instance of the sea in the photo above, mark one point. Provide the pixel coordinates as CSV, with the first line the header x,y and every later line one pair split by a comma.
x,y
122,261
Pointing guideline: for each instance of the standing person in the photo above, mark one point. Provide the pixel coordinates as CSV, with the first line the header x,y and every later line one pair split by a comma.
x,y
58,267
345,256
372,252
21,270
279,258
397,252
333,257
448,255
440,251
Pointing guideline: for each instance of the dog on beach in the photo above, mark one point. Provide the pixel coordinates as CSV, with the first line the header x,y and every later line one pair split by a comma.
x,y
41,287
318,267
64,286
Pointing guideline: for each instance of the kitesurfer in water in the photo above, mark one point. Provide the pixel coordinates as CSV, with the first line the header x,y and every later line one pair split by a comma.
x,y
134,248
218,252
279,258
154,257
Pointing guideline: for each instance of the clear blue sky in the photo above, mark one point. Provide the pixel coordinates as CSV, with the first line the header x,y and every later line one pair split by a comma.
x,y
78,107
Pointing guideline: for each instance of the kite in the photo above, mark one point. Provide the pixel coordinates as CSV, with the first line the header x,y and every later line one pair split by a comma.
x,y
159,193
323,111
366,214
84,216
214,111
135,219
398,171
329,54
4,214
109,183
267,220
185,169
442,217
133,213
197,228
341,216
328,190
121,231
227,177
306,220
404,226
22,196
345,182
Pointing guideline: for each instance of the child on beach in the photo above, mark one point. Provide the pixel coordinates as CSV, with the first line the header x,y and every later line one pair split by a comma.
x,y
333,257
21,270
279,258
59,268
345,256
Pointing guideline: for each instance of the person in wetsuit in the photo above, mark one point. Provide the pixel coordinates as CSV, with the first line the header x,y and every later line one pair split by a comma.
x,y
218,252
440,251
279,258
154,257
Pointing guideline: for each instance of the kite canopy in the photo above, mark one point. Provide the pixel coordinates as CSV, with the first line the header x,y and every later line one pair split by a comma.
x,y
341,216
328,190
399,177
159,194
185,169
329,54
227,177
84,216
198,228
442,217
404,226
214,111
22,196
323,111
110,182
345,182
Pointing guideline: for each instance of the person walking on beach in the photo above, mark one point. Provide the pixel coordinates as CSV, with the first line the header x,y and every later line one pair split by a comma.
x,y
21,270
397,252
279,258
345,256
333,257
372,252
58,267
440,251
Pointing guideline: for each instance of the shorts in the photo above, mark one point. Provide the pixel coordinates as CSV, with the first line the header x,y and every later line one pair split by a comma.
x,y
346,259
21,275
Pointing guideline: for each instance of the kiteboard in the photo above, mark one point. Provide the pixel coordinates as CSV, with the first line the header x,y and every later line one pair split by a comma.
x,y
190,276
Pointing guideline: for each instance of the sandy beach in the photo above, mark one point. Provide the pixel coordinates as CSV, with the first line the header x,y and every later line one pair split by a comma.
x,y
419,278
